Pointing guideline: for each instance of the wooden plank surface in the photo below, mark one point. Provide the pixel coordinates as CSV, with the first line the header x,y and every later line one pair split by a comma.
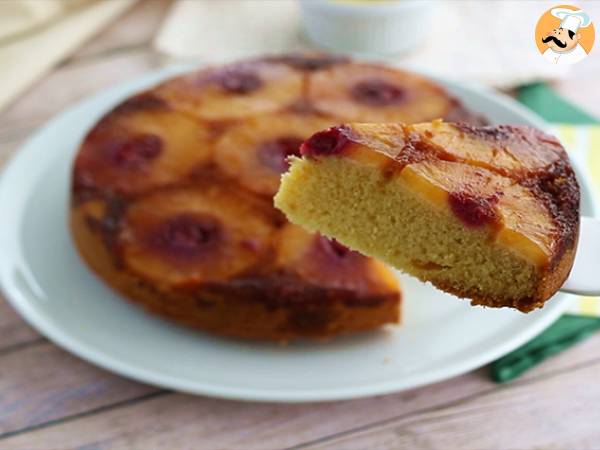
x,y
50,399
559,411
41,383
464,410
46,395
14,333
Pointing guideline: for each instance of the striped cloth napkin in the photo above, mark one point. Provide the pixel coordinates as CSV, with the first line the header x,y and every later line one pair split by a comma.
x,y
580,135
583,144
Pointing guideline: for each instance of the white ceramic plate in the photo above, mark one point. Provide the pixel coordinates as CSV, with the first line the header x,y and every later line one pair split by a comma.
x,y
54,291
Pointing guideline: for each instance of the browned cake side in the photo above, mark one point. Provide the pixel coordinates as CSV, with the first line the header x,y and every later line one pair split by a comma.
x,y
172,199
279,302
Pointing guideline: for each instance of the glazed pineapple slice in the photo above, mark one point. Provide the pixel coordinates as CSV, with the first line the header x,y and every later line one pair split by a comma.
x,y
255,152
141,144
330,289
371,93
234,91
188,236
486,213
325,262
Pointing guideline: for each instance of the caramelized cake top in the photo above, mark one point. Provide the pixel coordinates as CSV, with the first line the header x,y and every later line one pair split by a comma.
x,y
516,179
182,176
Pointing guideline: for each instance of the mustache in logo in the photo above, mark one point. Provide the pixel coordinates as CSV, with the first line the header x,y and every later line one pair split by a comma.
x,y
555,40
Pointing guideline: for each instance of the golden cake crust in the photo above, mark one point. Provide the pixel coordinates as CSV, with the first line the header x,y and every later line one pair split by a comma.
x,y
172,201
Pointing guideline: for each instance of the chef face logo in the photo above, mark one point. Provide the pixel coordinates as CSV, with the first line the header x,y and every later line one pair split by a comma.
x,y
561,40
564,34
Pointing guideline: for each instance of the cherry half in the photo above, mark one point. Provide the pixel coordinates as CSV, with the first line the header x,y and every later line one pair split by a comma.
x,y
328,142
188,234
238,81
377,93
473,211
334,249
135,152
273,154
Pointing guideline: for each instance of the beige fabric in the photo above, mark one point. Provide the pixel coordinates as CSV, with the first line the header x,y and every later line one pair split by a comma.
x,y
37,34
20,16
225,29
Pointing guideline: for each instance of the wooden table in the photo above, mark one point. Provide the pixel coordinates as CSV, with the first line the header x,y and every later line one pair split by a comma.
x,y
50,399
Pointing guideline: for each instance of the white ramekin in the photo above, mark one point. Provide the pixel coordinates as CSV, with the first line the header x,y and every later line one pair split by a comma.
x,y
384,27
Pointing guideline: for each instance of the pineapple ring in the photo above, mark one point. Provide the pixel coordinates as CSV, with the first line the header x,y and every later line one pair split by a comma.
x,y
188,235
368,93
234,91
323,261
138,146
254,152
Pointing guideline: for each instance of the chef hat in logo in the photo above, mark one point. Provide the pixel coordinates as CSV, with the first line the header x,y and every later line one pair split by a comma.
x,y
571,20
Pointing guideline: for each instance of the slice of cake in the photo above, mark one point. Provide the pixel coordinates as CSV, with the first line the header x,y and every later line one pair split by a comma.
x,y
486,213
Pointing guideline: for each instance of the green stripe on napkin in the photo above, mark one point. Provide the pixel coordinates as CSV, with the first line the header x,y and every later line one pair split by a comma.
x,y
569,329
565,332
540,98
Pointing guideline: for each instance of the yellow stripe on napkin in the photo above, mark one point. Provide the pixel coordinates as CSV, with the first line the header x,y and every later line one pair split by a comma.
x,y
567,134
593,157
586,306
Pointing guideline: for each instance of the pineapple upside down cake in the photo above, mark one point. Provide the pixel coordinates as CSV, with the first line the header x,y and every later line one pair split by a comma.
x,y
172,196
489,213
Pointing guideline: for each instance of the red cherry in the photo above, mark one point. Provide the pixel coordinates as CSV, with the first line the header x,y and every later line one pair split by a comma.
x,y
334,249
273,154
238,81
188,234
377,93
326,142
473,211
135,152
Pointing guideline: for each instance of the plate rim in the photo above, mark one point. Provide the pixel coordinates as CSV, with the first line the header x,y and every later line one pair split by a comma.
x,y
96,356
